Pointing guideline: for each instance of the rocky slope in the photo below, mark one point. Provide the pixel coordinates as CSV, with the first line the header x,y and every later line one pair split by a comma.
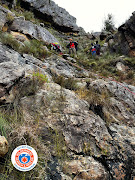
x,y
82,126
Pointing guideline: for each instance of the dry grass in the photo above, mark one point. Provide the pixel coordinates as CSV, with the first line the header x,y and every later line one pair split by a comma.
x,y
68,83
23,131
33,47
93,96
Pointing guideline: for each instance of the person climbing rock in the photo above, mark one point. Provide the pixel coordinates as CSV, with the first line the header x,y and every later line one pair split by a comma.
x,y
55,46
72,47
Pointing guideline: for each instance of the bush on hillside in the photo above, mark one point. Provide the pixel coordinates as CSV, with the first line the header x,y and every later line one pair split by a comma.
x,y
68,83
35,48
9,18
109,23
9,40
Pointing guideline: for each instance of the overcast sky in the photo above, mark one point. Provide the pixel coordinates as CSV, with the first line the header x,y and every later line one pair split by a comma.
x,y
90,14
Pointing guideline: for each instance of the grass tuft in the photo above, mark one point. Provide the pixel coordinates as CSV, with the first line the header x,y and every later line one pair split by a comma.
x,y
68,83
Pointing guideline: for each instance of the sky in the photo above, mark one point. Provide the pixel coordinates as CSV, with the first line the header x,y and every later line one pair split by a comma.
x,y
91,14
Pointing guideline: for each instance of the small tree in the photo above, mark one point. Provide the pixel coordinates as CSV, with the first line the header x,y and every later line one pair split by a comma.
x,y
109,23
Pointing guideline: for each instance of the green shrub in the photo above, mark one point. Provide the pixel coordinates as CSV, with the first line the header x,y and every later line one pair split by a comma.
x,y
9,40
130,75
68,83
105,73
29,16
94,97
35,48
22,132
130,62
109,23
40,77
59,144
93,64
4,5
9,18
3,126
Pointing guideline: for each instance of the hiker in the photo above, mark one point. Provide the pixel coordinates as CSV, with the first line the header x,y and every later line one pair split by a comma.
x,y
72,47
97,46
93,50
76,45
55,46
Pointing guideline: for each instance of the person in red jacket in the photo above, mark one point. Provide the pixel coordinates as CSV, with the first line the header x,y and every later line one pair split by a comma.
x,y
93,50
72,47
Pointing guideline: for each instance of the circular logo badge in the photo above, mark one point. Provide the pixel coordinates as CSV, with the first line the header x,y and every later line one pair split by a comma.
x,y
24,158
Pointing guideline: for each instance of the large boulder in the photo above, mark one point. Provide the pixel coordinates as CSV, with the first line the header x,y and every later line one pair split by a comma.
x,y
104,34
122,97
3,16
10,74
49,11
125,38
3,146
22,27
32,30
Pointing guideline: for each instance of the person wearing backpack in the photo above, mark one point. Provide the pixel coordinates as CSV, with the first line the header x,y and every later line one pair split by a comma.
x,y
93,50
72,47
56,47
97,46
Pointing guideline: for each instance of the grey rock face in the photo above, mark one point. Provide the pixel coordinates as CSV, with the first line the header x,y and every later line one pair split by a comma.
x,y
51,12
86,168
34,31
84,132
10,73
125,37
3,14
26,27
124,138
59,66
13,67
28,62
122,99
120,90
74,112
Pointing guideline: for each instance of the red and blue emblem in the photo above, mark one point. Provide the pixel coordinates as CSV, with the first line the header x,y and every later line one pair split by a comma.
x,y
24,158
